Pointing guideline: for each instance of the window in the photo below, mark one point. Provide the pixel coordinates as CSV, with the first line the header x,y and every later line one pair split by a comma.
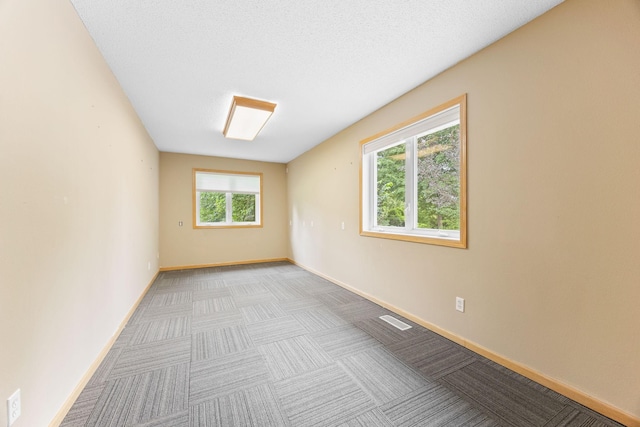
x,y
413,179
226,199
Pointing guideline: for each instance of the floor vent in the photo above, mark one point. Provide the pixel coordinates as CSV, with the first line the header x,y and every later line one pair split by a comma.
x,y
395,322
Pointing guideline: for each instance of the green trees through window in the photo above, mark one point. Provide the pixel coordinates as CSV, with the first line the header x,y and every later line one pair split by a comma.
x,y
213,207
391,186
226,199
439,179
438,182
414,179
243,207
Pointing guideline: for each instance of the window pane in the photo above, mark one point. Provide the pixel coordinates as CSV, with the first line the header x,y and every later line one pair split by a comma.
x,y
213,207
439,179
390,166
223,182
243,207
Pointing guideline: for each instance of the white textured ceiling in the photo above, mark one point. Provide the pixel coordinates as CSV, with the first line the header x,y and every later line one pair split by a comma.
x,y
326,63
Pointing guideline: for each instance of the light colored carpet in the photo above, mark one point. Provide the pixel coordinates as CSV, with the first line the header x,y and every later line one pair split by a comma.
x,y
273,345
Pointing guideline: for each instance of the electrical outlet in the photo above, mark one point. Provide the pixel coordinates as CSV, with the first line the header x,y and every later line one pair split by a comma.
x,y
13,407
342,225
460,304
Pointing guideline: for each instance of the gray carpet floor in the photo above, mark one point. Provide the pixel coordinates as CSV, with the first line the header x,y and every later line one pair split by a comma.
x,y
274,345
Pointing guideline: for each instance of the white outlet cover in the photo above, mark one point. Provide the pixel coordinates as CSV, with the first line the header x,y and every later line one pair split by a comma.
x,y
460,304
13,407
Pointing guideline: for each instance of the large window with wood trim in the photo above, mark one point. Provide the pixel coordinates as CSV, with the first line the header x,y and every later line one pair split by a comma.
x,y
224,199
413,179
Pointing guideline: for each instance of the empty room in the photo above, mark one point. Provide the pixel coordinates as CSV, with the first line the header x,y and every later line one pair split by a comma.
x,y
433,221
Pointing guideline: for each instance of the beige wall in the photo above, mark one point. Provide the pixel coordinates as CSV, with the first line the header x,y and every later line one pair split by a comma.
x,y
78,206
186,246
552,274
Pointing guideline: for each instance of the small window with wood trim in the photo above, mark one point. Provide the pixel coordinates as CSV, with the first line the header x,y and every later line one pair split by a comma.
x,y
413,179
224,199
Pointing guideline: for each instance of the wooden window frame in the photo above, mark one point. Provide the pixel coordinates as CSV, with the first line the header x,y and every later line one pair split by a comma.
x,y
259,205
367,193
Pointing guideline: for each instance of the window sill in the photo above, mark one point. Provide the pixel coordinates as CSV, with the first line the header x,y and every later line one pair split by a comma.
x,y
440,241
228,226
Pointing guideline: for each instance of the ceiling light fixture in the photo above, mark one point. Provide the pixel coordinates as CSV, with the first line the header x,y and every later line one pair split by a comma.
x,y
247,117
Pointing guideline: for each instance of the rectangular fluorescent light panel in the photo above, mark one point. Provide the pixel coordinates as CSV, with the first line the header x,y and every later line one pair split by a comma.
x,y
247,117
